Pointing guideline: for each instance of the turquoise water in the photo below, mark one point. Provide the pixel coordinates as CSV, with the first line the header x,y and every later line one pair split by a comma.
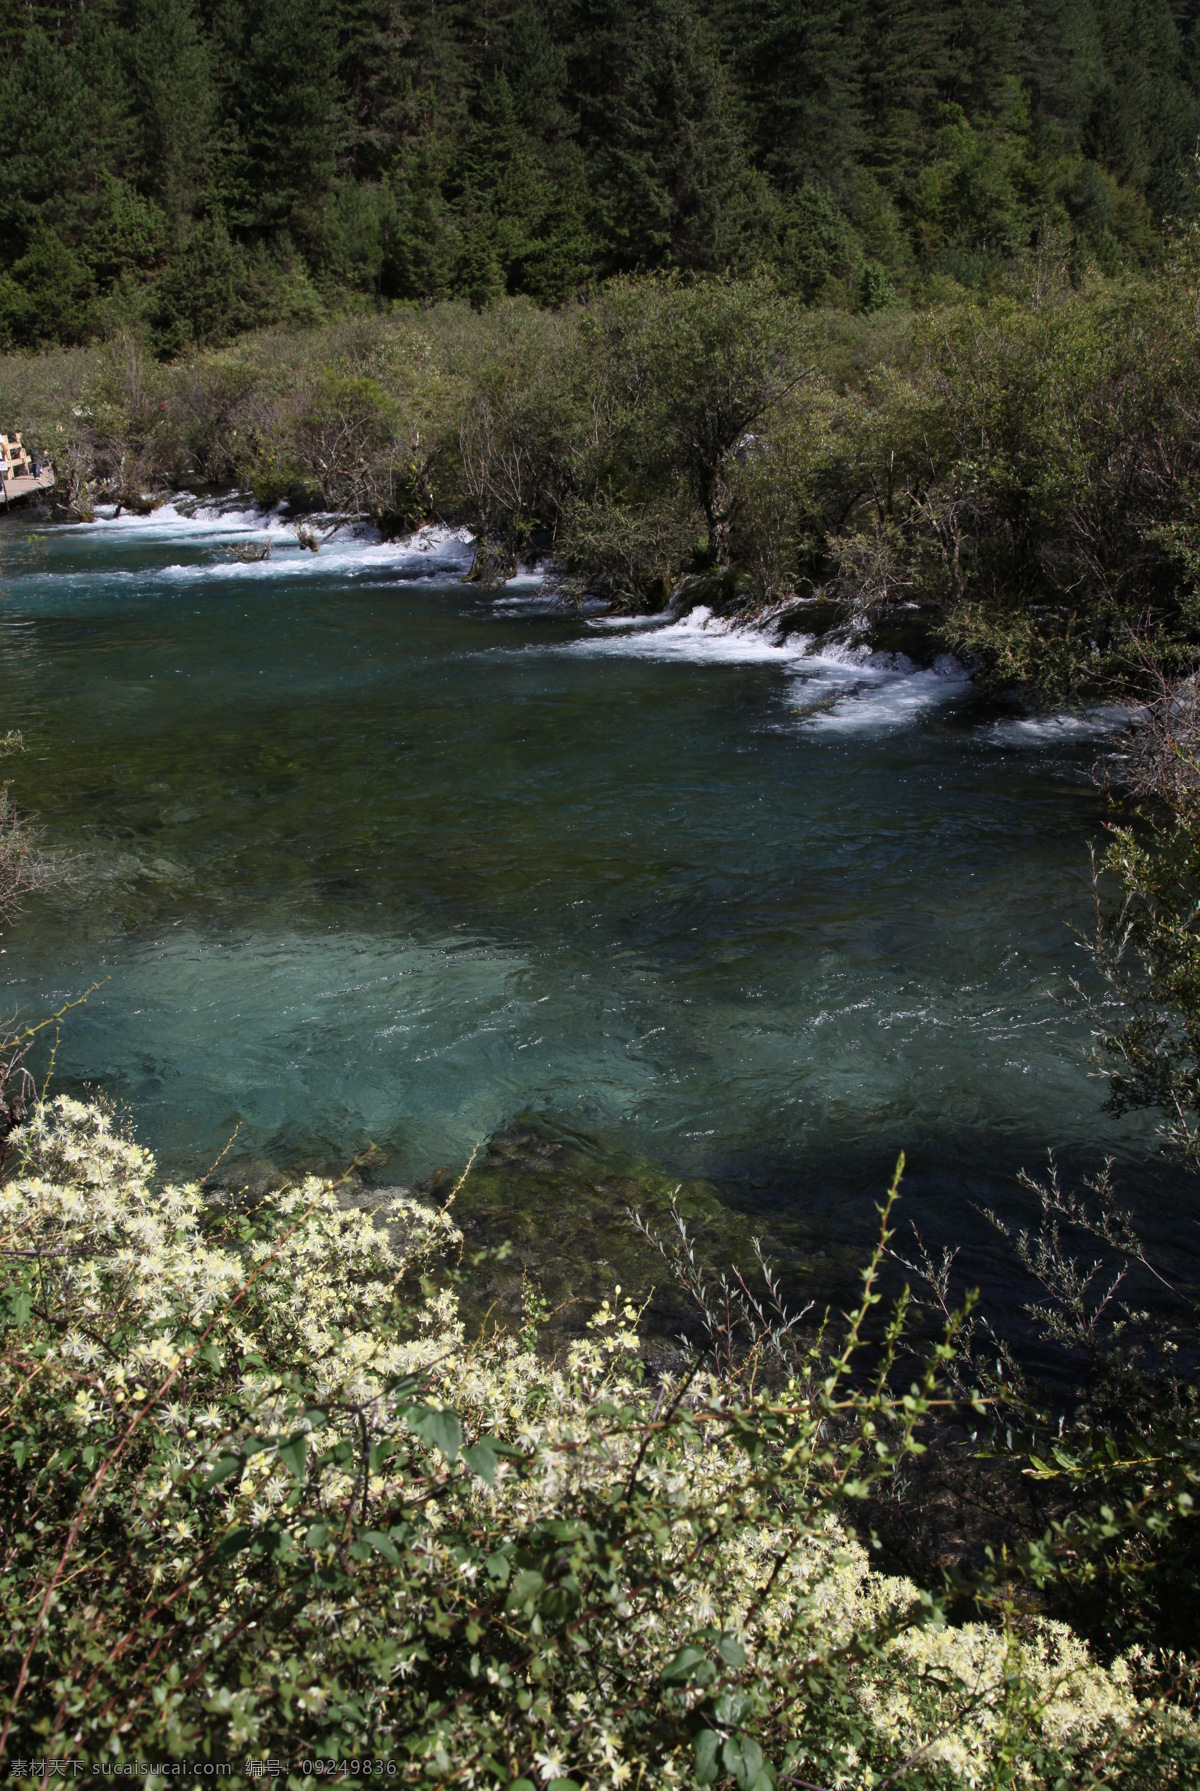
x,y
367,854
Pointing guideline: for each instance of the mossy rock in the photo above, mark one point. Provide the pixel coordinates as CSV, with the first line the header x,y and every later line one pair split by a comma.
x,y
912,632
549,1210
724,593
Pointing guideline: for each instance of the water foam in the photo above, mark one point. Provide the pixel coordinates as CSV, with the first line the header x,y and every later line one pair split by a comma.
x,y
1062,729
843,685
700,636
350,553
881,692
188,518
345,548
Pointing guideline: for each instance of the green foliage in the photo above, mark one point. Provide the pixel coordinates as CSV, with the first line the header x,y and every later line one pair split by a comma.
x,y
280,60
818,248
172,103
215,289
875,290
1146,951
42,88
127,237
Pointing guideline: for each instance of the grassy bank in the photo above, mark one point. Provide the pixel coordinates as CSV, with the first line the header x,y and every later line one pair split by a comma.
x,y
1021,472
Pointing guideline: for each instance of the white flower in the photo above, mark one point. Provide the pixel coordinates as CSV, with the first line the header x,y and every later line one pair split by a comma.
x,y
551,1766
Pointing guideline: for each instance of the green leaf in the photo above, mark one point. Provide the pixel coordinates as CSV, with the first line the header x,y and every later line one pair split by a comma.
x,y
481,1459
731,1709
383,1545
317,1536
379,1453
273,1539
684,1665
705,1748
221,1470
439,1427
19,1304
731,1652
233,1543
526,1586
744,1759
294,1453
563,1529
341,1455
559,1602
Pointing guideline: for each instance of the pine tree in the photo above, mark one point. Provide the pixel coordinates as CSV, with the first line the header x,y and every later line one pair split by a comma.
x,y
907,73
1062,63
418,248
172,106
374,73
657,128
47,162
284,116
564,256
535,67
798,66
107,111
1144,120
981,47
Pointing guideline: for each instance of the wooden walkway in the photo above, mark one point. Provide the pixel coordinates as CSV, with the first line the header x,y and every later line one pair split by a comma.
x,y
24,485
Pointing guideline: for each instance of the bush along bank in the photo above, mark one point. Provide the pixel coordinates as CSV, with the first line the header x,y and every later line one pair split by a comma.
x,y
265,1497
1018,473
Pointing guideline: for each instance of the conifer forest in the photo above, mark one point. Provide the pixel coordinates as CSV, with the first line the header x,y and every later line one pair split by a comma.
x,y
201,169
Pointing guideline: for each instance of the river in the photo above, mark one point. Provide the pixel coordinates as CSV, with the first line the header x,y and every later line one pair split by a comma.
x,y
365,853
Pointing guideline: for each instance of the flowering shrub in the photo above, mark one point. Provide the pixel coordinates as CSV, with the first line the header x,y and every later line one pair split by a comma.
x,y
262,1496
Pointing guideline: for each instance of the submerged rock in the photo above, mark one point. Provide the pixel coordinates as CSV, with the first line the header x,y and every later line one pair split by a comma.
x,y
549,1212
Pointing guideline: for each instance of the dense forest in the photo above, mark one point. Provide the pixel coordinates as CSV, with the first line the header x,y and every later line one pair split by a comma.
x,y
197,169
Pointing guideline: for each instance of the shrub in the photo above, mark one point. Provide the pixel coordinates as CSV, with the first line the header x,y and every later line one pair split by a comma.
x,y
263,1496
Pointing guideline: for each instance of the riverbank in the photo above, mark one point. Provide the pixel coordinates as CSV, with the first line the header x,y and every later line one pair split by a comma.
x,y
1016,472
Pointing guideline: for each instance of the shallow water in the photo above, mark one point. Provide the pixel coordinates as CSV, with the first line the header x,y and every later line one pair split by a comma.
x,y
368,854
